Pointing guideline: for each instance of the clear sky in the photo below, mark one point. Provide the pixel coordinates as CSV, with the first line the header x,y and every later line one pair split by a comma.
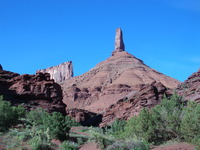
x,y
36,34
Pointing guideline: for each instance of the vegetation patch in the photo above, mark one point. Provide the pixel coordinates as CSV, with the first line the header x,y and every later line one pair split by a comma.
x,y
172,120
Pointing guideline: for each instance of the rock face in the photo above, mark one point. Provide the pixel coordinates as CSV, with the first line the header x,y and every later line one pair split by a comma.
x,y
59,73
146,96
119,43
190,88
5,77
112,80
1,68
32,91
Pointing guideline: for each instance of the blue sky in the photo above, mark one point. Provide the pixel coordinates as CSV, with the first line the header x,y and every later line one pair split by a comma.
x,y
36,34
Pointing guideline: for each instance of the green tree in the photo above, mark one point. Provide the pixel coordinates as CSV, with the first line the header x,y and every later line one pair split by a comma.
x,y
116,128
9,115
158,124
190,125
58,125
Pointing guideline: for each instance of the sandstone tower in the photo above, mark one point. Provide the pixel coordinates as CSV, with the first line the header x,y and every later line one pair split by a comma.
x,y
119,43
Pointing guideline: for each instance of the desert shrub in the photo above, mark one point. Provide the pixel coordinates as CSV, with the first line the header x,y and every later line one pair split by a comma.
x,y
9,115
81,139
40,138
37,117
58,125
128,145
166,119
9,140
101,138
159,124
140,126
71,122
116,128
190,125
107,141
38,144
67,145
21,134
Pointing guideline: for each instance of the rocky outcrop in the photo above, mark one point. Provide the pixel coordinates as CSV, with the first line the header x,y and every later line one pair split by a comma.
x,y
32,91
84,117
147,96
190,88
5,77
1,68
119,43
59,73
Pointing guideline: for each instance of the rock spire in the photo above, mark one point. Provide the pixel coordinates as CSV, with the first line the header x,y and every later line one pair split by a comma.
x,y
1,68
119,44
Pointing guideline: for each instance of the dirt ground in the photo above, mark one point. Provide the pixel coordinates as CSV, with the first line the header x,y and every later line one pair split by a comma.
x,y
176,146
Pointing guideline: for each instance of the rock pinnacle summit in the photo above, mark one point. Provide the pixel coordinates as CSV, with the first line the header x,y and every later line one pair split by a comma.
x,y
119,44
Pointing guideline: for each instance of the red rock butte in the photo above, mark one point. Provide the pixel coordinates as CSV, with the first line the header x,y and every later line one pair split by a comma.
x,y
111,80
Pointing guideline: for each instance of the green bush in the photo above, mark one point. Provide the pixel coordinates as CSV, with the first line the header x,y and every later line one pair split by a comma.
x,y
101,138
66,145
37,117
190,125
166,119
71,122
159,124
38,144
9,115
128,145
140,126
40,139
116,128
107,141
58,125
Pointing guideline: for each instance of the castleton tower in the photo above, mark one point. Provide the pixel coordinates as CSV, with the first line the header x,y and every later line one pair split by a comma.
x,y
119,43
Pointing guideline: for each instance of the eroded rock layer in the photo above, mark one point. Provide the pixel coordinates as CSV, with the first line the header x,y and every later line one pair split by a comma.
x,y
190,88
146,96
